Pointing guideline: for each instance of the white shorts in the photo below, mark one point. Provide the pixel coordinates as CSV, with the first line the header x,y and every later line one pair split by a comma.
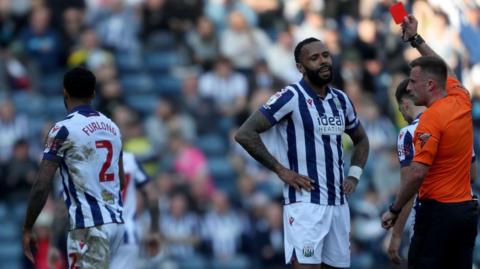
x,y
93,247
126,257
316,234
129,250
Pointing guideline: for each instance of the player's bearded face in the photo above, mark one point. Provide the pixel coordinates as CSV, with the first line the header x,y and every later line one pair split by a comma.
x,y
320,76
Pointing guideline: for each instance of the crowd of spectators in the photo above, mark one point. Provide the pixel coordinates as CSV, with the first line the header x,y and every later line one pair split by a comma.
x,y
178,77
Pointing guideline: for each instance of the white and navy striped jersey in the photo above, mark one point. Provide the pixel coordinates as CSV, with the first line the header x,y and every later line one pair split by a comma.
x,y
87,145
307,138
405,147
135,177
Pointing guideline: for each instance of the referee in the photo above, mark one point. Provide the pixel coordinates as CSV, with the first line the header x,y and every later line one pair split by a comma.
x,y
447,216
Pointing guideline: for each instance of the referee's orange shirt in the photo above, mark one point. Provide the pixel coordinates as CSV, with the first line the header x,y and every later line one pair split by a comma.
x,y
443,140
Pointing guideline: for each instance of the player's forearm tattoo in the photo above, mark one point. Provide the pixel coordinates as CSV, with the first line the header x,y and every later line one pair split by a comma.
x,y
360,148
40,191
248,135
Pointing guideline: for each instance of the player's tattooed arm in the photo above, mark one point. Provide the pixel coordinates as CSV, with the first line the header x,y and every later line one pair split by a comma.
x,y
39,192
360,147
248,136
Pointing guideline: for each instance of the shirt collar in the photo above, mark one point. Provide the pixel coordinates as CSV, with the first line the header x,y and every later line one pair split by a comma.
x,y
312,92
417,118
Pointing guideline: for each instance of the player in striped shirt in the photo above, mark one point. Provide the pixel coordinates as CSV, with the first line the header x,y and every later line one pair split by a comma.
x,y
87,147
135,179
411,114
298,135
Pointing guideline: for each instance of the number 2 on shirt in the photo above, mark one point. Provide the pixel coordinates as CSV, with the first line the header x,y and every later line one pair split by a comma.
x,y
104,176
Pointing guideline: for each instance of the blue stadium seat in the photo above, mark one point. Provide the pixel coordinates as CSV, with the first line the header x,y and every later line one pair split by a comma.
x,y
29,103
167,85
161,41
160,61
129,62
50,84
56,107
10,249
145,104
223,174
9,232
212,145
137,83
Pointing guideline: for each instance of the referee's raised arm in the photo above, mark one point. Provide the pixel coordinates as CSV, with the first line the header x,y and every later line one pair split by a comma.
x,y
409,28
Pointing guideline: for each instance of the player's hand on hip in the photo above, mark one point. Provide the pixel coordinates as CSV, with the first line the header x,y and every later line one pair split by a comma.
x,y
349,185
296,180
393,248
28,240
409,26
388,220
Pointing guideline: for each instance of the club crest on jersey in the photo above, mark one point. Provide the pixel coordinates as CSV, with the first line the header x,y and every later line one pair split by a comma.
x,y
291,220
308,250
423,137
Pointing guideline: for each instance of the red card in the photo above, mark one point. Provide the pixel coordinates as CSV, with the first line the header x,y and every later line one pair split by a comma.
x,y
398,12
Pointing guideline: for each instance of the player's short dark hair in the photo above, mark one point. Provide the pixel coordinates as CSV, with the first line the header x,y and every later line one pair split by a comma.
x,y
401,90
79,82
433,66
298,48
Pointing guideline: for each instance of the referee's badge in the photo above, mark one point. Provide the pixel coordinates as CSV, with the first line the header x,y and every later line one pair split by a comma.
x,y
308,250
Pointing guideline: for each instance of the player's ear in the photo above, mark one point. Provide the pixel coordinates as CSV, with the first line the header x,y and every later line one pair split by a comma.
x,y
65,94
300,68
431,84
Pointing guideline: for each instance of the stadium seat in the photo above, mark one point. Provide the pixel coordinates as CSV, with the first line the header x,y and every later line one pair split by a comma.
x,y
145,104
10,249
50,84
167,85
223,174
9,231
129,62
56,107
28,103
160,61
137,83
212,145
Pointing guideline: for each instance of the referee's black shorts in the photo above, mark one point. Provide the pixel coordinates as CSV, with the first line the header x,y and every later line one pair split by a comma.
x,y
444,235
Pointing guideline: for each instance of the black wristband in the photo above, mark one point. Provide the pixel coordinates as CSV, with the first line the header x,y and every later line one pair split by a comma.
x,y
393,210
416,40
